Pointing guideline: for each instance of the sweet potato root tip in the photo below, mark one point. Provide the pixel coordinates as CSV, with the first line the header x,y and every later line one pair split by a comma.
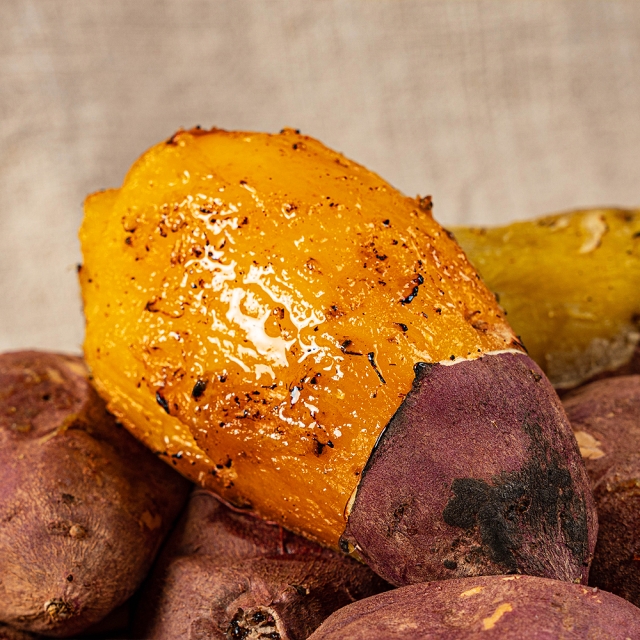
x,y
477,473
228,574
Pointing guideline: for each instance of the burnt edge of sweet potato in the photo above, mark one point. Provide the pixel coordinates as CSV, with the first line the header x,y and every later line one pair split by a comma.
x,y
528,510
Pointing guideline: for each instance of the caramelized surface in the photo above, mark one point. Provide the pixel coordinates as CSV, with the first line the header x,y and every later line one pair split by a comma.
x,y
255,305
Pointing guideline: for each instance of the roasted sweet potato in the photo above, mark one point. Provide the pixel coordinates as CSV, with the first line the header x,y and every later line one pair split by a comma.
x,y
606,418
265,314
486,608
226,574
569,283
83,506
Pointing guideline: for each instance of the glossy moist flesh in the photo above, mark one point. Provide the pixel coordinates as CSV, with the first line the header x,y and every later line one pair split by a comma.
x,y
255,306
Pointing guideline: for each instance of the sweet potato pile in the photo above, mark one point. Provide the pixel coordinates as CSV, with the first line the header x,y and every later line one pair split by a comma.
x,y
309,347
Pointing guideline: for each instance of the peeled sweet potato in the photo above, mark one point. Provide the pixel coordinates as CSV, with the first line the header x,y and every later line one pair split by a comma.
x,y
569,283
605,416
224,574
265,314
83,506
487,608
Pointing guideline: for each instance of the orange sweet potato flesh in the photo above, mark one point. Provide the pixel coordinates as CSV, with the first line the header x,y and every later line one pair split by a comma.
x,y
255,305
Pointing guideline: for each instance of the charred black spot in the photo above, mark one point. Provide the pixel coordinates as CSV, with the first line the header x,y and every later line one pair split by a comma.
x,y
344,347
160,399
402,326
426,203
198,389
450,564
371,357
411,296
539,498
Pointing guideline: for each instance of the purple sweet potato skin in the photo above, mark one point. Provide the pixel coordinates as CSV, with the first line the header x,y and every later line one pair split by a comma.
x,y
477,473
83,506
487,608
8,633
225,574
609,412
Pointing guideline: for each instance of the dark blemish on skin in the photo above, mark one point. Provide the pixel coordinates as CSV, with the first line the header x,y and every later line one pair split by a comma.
x,y
162,402
372,362
539,497
450,564
421,369
198,389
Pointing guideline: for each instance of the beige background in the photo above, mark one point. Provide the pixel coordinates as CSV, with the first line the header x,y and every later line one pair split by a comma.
x,y
501,110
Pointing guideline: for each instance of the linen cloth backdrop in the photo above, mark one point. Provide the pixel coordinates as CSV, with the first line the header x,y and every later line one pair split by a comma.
x,y
500,110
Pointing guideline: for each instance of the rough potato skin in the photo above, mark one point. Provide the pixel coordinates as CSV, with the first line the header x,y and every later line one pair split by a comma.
x,y
83,506
8,633
487,608
606,418
225,574
477,473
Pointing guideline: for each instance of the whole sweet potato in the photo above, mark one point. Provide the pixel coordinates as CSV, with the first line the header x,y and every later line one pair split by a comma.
x,y
83,506
605,416
487,608
225,574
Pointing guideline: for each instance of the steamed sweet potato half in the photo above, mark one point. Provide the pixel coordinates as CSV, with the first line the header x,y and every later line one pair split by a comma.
x,y
486,608
290,331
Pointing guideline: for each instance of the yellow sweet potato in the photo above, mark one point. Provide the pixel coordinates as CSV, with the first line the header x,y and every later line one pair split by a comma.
x,y
569,284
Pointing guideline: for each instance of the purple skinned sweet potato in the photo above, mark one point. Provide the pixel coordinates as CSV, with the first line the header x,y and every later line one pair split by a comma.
x,y
605,416
83,506
477,473
226,574
486,608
